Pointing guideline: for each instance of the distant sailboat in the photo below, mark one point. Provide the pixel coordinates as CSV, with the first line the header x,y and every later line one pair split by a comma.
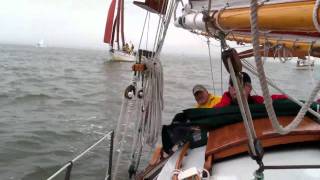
x,y
41,44
120,50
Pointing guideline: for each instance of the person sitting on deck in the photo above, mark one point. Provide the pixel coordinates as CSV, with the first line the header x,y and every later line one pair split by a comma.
x,y
204,98
126,48
131,48
230,97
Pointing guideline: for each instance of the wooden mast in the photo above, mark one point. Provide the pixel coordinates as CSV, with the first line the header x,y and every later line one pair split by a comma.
x,y
113,31
118,25
122,22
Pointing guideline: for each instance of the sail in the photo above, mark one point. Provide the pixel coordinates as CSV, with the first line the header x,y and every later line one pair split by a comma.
x,y
109,24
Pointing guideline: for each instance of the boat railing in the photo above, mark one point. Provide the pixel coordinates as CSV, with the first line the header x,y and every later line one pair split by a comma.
x,y
68,166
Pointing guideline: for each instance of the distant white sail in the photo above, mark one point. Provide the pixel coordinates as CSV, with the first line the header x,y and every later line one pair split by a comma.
x,y
41,43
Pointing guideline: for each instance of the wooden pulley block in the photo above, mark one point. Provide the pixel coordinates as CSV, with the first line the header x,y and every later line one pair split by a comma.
x,y
139,67
235,60
130,92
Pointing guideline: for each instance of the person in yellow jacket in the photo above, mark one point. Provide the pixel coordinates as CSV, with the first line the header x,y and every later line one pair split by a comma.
x,y
204,98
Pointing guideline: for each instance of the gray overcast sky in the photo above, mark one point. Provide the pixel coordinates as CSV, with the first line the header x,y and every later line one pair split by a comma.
x,y
79,23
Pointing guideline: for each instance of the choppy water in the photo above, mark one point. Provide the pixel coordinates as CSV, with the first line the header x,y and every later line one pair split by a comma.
x,y
55,102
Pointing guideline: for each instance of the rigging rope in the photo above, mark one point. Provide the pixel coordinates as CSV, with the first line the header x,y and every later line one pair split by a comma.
x,y
310,65
157,34
218,17
166,20
166,23
147,41
221,84
284,54
152,100
262,78
250,68
144,24
153,89
244,109
137,139
210,59
128,107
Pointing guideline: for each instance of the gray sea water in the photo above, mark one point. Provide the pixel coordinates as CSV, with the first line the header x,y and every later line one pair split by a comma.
x,y
56,102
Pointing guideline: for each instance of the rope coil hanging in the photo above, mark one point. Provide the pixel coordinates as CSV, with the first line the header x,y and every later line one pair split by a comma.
x,y
152,100
150,97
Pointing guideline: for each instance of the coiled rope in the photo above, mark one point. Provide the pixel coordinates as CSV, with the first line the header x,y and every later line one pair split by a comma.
x,y
137,139
153,84
152,100
150,107
262,78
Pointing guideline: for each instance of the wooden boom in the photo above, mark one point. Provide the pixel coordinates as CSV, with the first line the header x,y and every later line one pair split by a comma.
x,y
285,17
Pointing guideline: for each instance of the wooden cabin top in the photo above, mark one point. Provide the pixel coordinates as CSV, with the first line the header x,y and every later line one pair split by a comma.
x,y
232,139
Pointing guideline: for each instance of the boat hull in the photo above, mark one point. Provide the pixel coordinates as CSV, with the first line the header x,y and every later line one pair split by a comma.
x,y
122,56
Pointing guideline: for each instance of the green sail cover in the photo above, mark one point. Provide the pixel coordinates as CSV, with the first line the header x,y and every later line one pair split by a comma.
x,y
217,117
211,118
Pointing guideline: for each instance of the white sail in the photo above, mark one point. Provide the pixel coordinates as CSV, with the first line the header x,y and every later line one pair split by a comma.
x,y
41,43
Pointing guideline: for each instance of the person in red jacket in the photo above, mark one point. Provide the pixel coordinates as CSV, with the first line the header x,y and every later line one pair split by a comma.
x,y
230,97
